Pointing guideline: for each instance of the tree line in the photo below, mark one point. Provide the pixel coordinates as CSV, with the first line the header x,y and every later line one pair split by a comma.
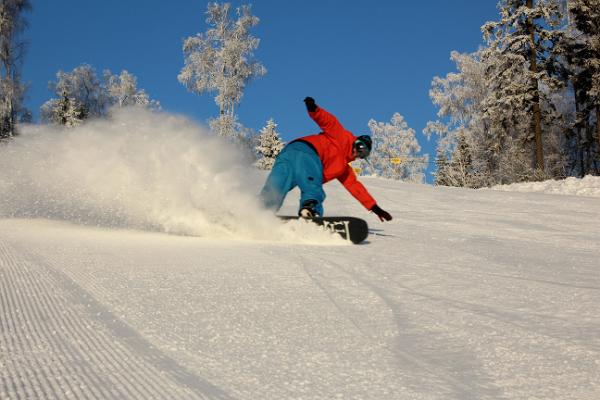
x,y
526,105
12,51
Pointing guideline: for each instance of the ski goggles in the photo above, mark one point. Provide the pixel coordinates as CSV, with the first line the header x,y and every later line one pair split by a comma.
x,y
361,148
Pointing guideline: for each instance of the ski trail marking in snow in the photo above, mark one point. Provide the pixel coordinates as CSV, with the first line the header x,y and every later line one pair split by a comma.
x,y
377,232
313,276
394,331
82,350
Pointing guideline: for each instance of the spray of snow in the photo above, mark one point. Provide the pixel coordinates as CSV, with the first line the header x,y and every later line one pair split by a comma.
x,y
140,170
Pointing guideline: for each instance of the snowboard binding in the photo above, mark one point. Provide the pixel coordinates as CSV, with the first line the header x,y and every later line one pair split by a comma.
x,y
308,210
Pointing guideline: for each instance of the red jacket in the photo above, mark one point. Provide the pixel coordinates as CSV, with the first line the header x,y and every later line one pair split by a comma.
x,y
334,146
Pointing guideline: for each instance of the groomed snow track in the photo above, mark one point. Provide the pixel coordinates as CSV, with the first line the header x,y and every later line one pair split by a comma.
x,y
81,350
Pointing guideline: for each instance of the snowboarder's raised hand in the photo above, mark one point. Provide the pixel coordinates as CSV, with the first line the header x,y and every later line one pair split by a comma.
x,y
382,214
311,106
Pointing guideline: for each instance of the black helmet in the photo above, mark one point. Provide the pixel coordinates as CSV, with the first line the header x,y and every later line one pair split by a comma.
x,y
363,145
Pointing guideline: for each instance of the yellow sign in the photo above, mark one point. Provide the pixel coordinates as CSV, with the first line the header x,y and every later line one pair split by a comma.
x,y
396,160
357,170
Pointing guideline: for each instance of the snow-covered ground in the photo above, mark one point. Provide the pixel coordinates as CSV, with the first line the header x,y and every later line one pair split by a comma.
x,y
587,186
466,294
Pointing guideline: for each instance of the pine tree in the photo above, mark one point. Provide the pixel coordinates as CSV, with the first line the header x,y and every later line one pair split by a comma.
x,y
503,97
12,48
220,60
581,48
269,145
395,149
83,89
64,111
461,164
521,44
457,171
523,102
441,174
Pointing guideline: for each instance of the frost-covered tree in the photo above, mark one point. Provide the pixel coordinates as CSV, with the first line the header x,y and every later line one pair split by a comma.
x,y
269,145
521,45
507,114
84,91
63,111
460,96
243,137
123,91
460,170
478,116
522,107
395,151
442,172
221,59
574,52
12,50
581,51
80,95
504,103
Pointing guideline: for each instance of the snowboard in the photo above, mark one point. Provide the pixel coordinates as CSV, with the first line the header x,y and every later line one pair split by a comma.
x,y
353,229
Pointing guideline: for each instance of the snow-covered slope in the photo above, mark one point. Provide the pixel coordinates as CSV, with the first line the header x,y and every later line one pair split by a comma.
x,y
587,186
464,295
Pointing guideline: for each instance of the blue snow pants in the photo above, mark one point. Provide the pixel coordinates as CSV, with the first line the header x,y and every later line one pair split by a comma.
x,y
297,165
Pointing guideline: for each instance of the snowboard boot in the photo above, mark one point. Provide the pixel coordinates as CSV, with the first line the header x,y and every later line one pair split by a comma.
x,y
308,210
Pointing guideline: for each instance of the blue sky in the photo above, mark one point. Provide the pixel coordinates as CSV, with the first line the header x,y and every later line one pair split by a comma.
x,y
358,59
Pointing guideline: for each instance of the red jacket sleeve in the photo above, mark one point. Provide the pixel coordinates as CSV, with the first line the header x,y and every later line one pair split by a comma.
x,y
328,123
356,189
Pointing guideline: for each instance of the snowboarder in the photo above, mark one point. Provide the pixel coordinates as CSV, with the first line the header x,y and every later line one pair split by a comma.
x,y
311,161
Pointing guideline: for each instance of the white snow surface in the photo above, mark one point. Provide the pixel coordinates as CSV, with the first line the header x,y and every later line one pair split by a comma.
x,y
586,186
120,278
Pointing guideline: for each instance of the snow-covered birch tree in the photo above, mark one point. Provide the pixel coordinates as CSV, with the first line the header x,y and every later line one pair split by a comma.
x,y
395,151
12,50
269,145
122,91
461,130
221,60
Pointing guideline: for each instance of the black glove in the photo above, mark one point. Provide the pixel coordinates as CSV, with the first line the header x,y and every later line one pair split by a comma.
x,y
310,104
383,215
